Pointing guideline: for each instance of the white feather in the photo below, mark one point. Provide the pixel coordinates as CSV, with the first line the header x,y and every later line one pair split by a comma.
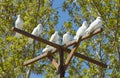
x,y
36,31
49,48
94,25
81,30
19,25
54,38
66,38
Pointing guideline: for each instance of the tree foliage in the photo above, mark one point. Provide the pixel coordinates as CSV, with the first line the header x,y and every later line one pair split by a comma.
x,y
104,47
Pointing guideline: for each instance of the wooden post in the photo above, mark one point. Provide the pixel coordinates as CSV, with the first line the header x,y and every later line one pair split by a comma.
x,y
53,61
61,70
69,57
61,67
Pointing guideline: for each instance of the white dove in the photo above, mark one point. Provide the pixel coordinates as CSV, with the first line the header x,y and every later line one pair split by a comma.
x,y
94,25
66,38
19,25
81,30
54,38
48,49
36,31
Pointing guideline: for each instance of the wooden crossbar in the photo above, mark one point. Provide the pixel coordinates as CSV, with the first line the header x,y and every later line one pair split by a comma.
x,y
36,38
76,45
53,44
69,57
39,57
58,46
83,38
79,55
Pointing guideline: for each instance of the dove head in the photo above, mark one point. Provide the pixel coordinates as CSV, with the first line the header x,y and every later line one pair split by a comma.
x,y
68,32
18,16
85,23
56,32
39,25
99,18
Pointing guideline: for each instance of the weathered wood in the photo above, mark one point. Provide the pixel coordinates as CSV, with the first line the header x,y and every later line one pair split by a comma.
x,y
61,67
69,57
68,50
39,57
70,44
53,61
36,38
53,44
79,55
76,44
83,56
84,37
61,70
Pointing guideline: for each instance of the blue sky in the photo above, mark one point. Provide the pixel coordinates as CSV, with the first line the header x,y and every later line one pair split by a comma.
x,y
63,17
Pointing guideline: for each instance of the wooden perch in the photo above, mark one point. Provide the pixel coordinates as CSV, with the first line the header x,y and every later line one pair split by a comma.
x,y
36,38
68,50
57,46
81,55
39,57
83,38
69,57
53,61
76,44
53,44
88,59
61,69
